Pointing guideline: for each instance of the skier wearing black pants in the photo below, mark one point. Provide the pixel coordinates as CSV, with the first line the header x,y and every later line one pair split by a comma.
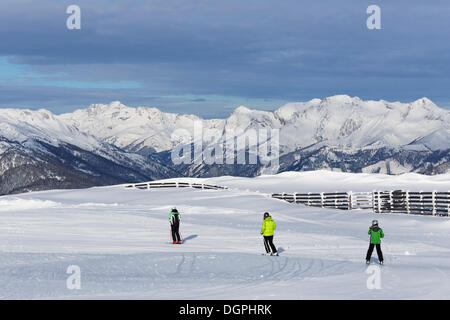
x,y
174,219
267,231
376,233
268,243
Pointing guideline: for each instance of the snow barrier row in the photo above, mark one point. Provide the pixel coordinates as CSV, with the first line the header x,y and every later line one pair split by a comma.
x,y
410,202
157,185
436,203
335,200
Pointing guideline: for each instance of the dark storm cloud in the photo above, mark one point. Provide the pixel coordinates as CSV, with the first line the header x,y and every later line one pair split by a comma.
x,y
136,50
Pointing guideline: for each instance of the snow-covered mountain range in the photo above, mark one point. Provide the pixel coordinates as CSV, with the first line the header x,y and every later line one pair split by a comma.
x,y
338,121
112,143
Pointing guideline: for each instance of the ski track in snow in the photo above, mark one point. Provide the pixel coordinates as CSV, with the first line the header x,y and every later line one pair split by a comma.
x,y
41,275
120,240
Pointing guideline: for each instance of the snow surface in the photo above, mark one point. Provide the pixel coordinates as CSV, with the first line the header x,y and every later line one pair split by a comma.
x,y
119,238
330,181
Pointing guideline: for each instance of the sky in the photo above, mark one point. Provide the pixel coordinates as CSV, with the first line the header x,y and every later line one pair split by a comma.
x,y
207,57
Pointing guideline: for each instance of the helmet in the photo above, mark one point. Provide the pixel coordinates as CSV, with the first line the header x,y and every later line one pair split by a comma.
x,y
266,214
374,223
174,209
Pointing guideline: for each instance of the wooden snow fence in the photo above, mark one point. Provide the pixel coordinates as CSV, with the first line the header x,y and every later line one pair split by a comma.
x,y
435,203
158,185
336,200
432,203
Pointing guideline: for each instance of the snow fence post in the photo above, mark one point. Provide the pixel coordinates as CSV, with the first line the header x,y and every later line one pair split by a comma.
x,y
407,202
295,197
335,200
321,199
373,201
448,205
379,201
421,201
433,201
350,199
391,201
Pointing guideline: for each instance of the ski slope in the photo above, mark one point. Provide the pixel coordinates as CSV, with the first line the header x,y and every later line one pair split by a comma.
x,y
120,240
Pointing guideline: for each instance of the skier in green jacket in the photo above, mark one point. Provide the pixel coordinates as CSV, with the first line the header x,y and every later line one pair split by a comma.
x,y
376,233
267,228
174,219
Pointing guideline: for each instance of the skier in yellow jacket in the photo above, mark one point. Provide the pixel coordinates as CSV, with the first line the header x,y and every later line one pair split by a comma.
x,y
268,226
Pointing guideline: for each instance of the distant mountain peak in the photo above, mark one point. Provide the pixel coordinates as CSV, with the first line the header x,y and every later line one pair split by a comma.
x,y
242,109
341,98
114,105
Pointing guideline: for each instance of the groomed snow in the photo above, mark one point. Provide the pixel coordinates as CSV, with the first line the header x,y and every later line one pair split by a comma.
x,y
330,181
120,239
